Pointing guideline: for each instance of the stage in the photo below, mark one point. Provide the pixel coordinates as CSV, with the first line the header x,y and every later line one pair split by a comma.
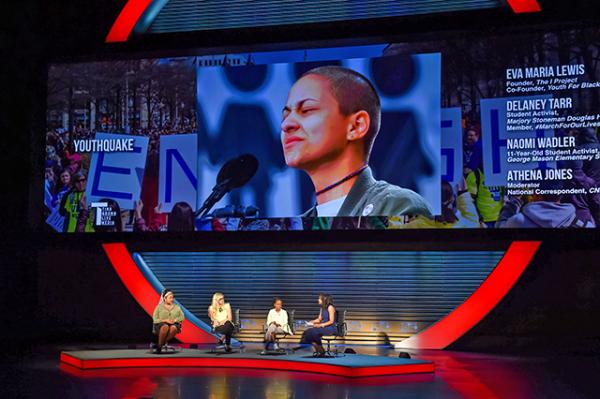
x,y
345,365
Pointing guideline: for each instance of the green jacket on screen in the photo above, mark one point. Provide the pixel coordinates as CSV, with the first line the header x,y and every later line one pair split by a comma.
x,y
370,197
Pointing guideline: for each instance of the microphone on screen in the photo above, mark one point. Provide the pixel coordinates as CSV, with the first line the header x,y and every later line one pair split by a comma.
x,y
233,174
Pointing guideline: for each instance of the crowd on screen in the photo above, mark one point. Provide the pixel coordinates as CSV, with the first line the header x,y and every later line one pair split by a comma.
x,y
474,202
66,174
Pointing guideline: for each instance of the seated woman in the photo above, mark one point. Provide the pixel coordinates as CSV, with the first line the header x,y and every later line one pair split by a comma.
x,y
277,323
324,324
167,319
220,316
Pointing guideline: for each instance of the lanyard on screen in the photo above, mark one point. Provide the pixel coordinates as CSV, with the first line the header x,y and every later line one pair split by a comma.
x,y
342,180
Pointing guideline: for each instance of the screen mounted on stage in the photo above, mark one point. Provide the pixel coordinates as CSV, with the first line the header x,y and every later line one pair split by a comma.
x,y
488,132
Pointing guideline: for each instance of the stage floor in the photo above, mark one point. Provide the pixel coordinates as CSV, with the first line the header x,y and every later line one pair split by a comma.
x,y
345,365
35,372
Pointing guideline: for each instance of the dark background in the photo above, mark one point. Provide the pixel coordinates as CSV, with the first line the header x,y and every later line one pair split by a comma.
x,y
59,288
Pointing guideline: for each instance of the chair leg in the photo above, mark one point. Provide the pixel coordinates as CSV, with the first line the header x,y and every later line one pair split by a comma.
x,y
328,350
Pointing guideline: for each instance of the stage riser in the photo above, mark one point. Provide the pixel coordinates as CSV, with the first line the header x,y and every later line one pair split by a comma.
x,y
354,365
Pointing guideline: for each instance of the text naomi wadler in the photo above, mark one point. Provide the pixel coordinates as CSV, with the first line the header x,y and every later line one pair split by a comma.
x,y
545,71
538,174
104,145
522,143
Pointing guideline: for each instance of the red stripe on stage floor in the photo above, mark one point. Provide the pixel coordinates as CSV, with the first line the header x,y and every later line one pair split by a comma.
x,y
392,370
269,364
125,22
524,6
145,294
153,372
70,360
480,303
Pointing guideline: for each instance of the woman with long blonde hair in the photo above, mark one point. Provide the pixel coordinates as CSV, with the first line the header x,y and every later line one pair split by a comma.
x,y
220,315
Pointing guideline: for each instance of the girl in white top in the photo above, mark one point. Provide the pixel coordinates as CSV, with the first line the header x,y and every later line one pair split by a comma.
x,y
220,316
277,323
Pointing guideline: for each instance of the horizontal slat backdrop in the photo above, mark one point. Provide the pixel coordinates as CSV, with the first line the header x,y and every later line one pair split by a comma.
x,y
389,295
190,15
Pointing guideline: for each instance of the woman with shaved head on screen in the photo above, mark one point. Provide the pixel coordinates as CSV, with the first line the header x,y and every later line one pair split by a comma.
x,y
330,122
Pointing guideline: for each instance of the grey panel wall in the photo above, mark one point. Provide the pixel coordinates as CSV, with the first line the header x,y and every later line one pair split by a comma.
x,y
191,15
391,294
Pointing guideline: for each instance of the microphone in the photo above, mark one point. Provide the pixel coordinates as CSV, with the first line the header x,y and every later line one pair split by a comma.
x,y
233,174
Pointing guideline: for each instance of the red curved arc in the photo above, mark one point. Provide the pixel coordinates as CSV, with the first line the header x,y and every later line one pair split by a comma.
x,y
145,294
438,336
523,6
480,303
125,22
133,10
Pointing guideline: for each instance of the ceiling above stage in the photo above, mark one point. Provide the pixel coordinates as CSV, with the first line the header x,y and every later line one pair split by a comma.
x,y
171,16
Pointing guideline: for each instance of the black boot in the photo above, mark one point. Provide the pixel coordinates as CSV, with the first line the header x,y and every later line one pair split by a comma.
x,y
319,351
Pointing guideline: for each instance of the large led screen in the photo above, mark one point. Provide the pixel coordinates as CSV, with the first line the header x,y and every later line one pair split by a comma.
x,y
488,132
